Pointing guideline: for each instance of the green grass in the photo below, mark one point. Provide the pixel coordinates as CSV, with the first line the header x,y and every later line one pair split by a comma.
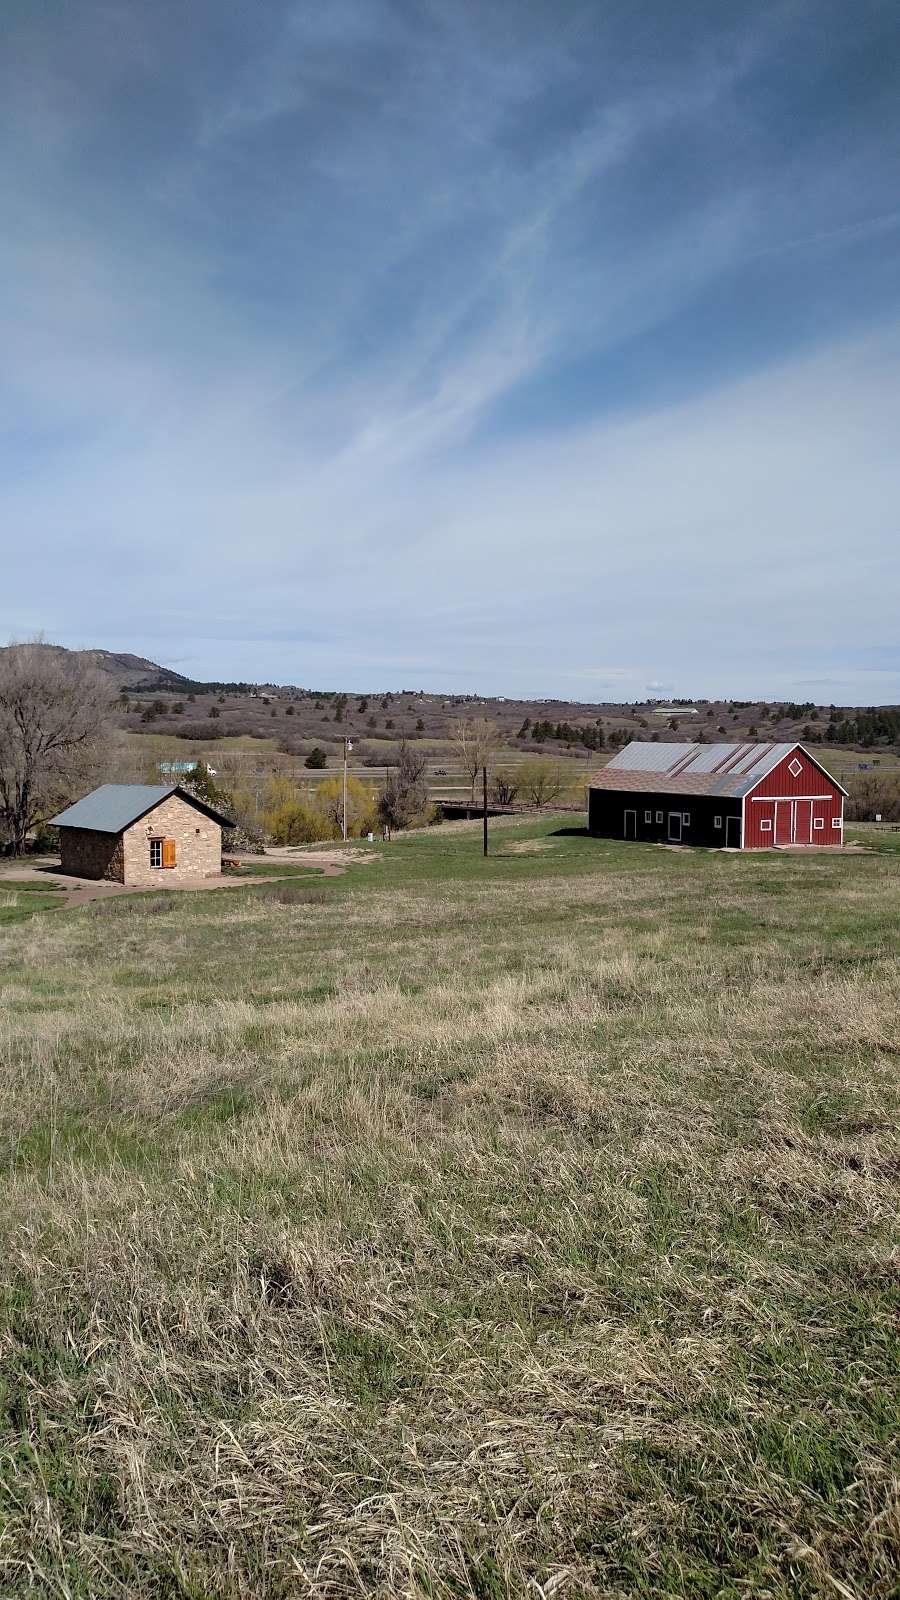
x,y
21,898
457,1228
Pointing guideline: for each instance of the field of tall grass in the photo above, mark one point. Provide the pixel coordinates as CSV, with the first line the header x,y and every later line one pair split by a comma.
x,y
457,1228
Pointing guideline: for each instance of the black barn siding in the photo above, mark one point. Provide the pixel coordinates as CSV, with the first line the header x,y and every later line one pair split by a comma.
x,y
607,808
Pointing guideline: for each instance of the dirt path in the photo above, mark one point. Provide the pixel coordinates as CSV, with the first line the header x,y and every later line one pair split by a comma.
x,y
331,863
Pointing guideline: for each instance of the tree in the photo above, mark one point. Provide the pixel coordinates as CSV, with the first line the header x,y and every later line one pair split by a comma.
x,y
541,782
53,717
476,743
405,795
505,786
316,757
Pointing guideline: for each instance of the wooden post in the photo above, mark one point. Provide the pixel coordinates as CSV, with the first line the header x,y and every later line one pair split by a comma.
x,y
484,806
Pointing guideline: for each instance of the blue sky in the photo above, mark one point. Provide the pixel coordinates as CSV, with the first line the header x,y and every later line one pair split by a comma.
x,y
534,348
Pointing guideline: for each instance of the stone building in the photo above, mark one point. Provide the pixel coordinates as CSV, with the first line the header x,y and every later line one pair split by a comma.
x,y
141,834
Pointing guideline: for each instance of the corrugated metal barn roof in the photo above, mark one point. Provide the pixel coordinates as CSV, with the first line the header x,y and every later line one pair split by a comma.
x,y
115,806
717,769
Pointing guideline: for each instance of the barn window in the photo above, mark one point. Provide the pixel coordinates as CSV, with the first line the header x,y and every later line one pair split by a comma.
x,y
659,816
686,818
717,822
835,822
795,767
818,822
648,816
156,852
162,852
766,825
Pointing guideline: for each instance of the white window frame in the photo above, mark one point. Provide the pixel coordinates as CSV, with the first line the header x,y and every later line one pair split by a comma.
x,y
795,768
685,819
837,822
156,852
717,822
818,822
648,816
765,825
659,819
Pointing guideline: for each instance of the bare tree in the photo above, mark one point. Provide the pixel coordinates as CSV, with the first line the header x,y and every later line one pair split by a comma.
x,y
53,713
476,741
505,786
405,795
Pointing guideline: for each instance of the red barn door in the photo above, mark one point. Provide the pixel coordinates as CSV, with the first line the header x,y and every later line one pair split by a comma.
x,y
783,820
803,822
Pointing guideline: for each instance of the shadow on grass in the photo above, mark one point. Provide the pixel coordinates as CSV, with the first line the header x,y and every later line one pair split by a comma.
x,y
569,833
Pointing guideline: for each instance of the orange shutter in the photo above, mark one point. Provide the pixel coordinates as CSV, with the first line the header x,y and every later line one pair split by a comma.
x,y
168,852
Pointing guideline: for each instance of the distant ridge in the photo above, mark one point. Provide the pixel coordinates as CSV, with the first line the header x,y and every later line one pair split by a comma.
x,y
127,671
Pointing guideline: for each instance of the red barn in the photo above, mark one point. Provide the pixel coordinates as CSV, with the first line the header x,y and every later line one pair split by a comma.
x,y
744,796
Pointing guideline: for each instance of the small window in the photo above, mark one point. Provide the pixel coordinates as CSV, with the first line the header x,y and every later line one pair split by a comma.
x,y
648,816
717,822
766,825
156,852
818,822
686,819
835,822
795,767
659,816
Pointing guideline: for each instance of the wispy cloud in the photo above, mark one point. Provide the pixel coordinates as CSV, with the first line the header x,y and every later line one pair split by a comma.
x,y
470,341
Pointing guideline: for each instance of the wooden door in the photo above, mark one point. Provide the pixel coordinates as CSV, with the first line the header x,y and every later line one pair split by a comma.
x,y
803,822
784,833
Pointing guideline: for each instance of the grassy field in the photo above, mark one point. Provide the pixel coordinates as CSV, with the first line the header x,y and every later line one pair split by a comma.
x,y
457,1228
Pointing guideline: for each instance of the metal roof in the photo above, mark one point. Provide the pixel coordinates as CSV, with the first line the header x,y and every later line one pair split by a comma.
x,y
716,769
115,806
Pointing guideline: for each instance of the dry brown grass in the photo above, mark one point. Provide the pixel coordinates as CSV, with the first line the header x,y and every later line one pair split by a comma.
x,y
456,1236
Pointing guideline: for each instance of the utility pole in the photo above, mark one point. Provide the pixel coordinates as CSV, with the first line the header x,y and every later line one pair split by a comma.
x,y
484,804
348,745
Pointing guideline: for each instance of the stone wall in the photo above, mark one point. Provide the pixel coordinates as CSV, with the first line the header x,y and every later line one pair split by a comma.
x,y
88,854
198,845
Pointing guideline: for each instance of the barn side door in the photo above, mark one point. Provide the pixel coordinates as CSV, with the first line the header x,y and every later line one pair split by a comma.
x,y
733,833
803,822
631,824
784,822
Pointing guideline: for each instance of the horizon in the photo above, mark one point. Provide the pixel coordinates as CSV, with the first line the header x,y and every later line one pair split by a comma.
x,y
545,348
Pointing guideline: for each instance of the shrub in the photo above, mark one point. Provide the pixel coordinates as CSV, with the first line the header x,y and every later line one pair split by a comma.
x,y
540,782
505,786
297,823
316,758
361,806
873,794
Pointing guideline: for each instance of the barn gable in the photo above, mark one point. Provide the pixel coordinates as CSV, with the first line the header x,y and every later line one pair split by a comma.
x,y
796,803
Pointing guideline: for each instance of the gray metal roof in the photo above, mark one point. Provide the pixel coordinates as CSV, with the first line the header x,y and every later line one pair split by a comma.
x,y
115,806
715,769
